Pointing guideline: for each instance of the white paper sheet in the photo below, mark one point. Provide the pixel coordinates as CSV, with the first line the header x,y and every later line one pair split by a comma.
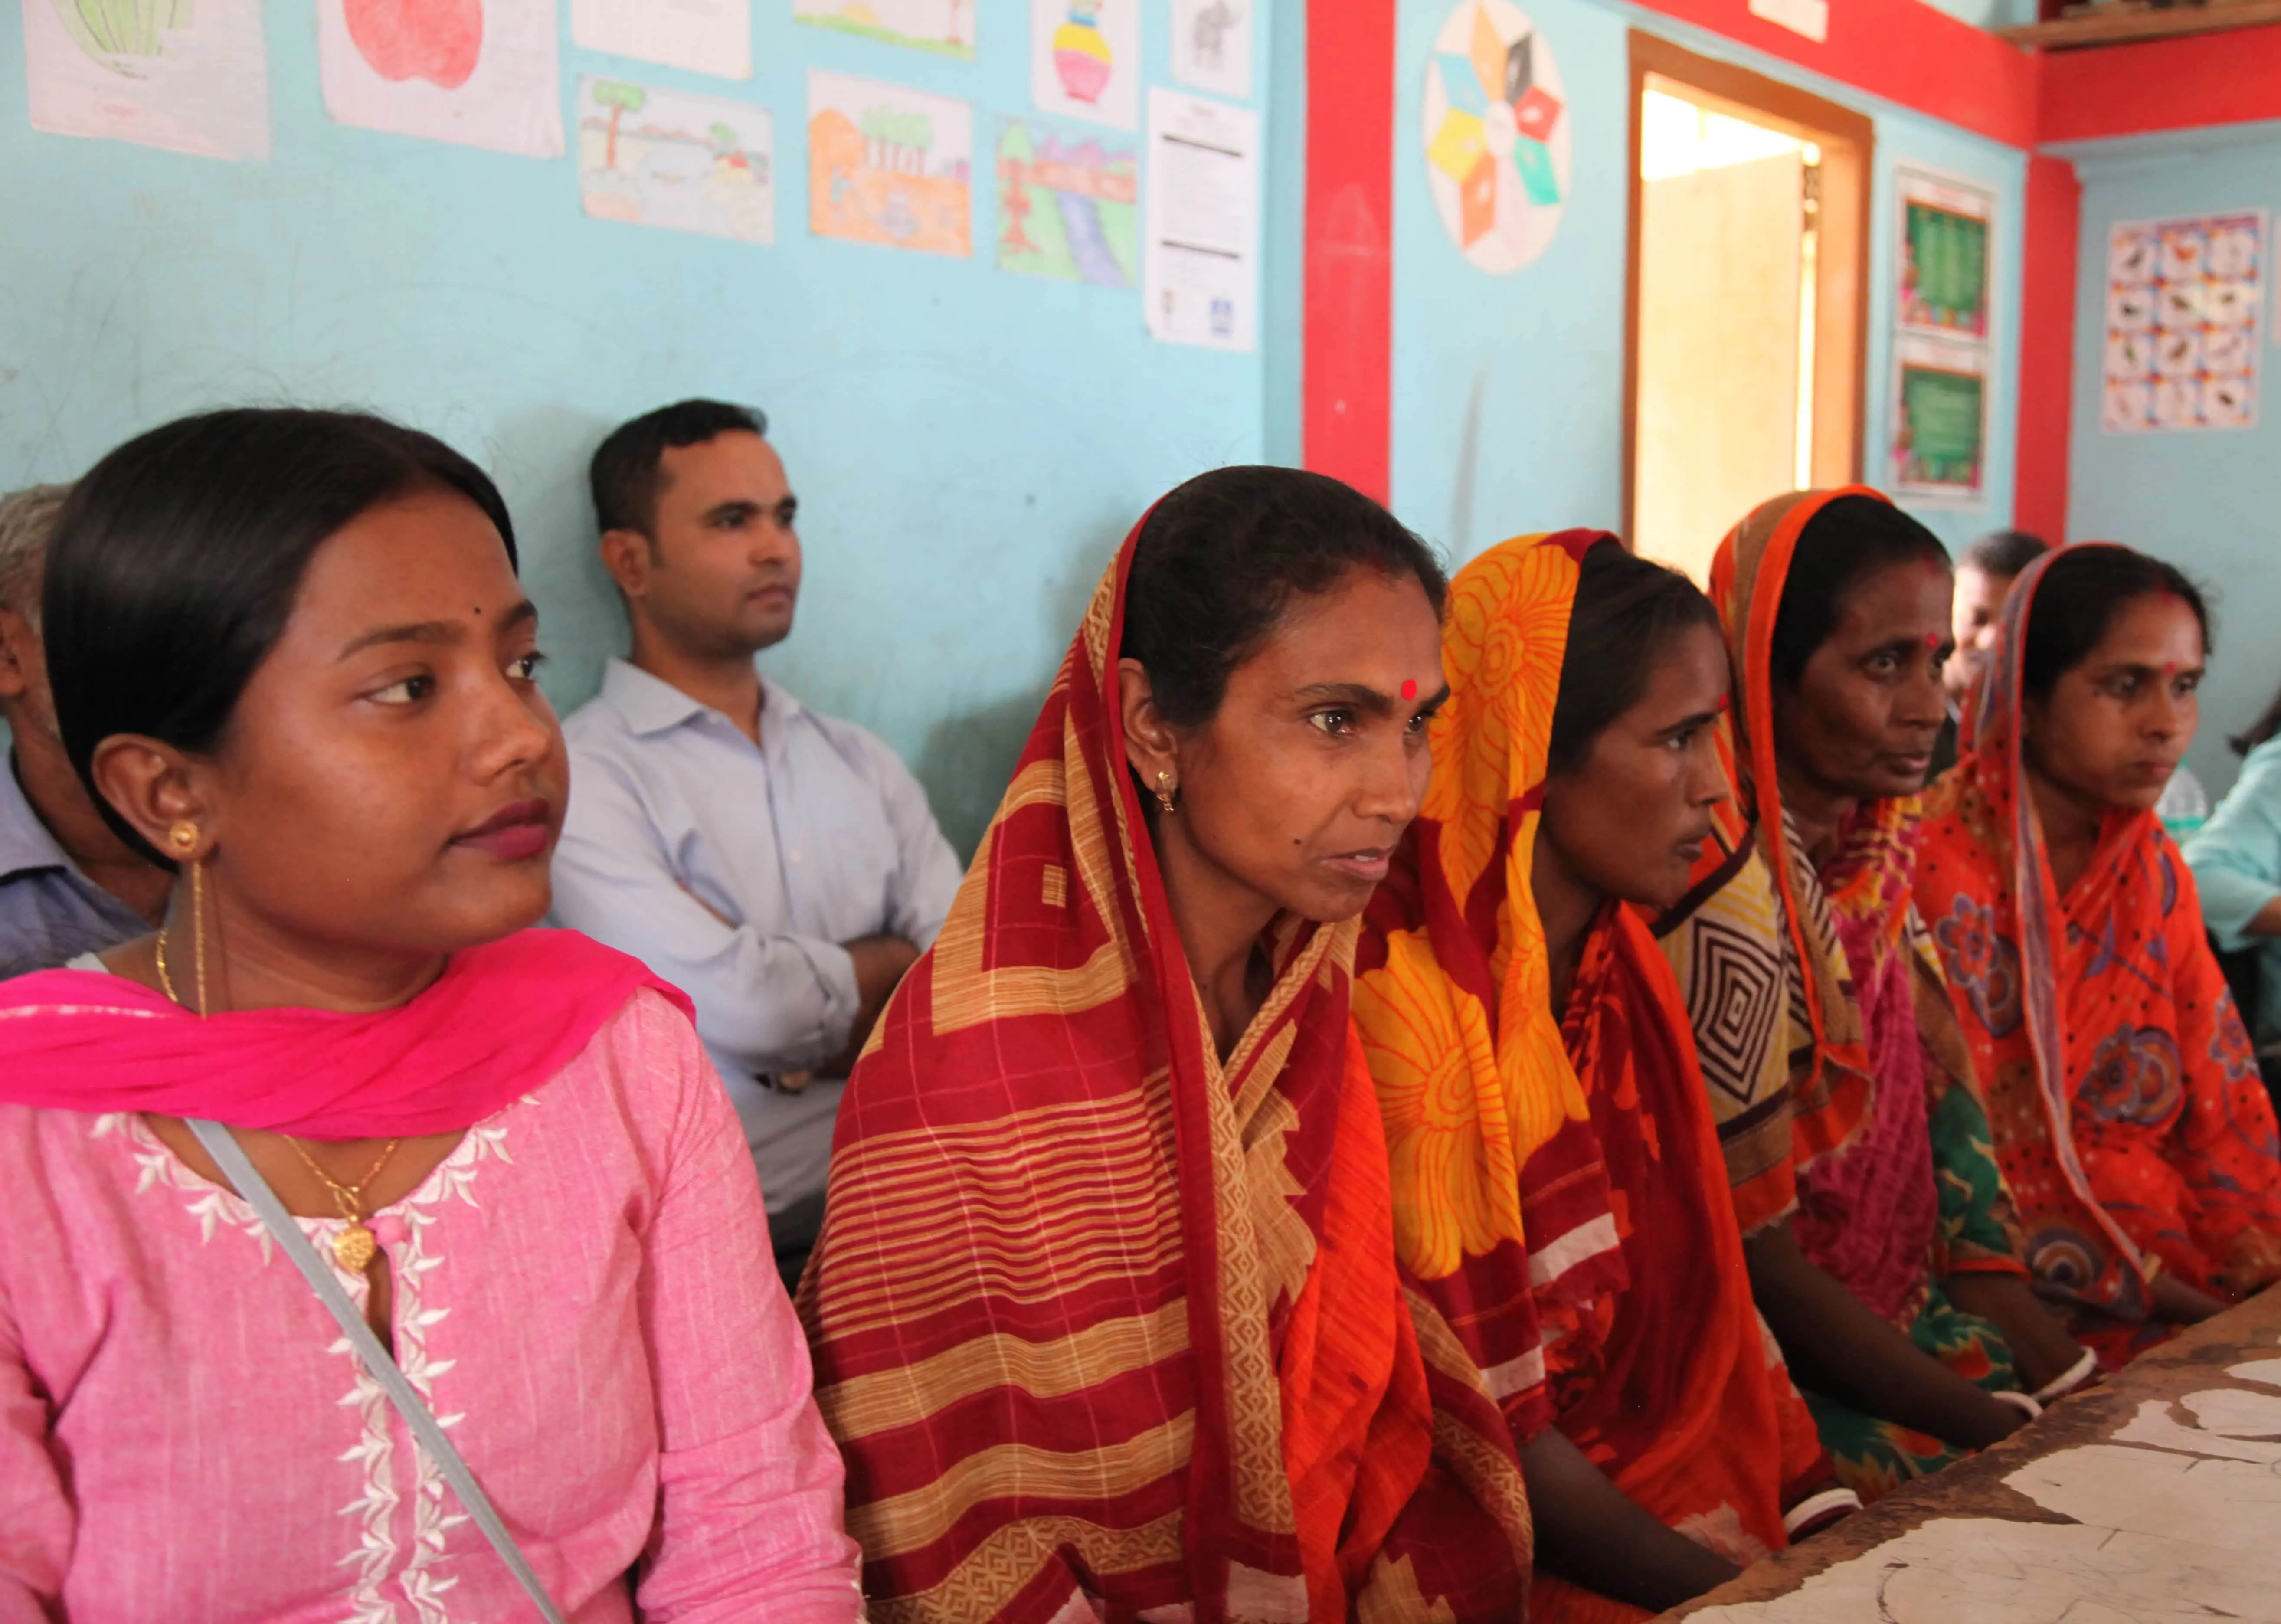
x,y
189,79
1211,46
1084,59
667,159
944,27
480,72
889,165
1202,266
705,36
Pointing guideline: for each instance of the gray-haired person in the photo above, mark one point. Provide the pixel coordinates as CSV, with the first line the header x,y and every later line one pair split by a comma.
x,y
68,884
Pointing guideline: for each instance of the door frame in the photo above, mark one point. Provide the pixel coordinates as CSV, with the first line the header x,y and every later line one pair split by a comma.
x,y
1848,141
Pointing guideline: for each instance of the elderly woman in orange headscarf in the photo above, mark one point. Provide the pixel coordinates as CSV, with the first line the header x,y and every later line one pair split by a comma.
x,y
1559,1194
1883,1246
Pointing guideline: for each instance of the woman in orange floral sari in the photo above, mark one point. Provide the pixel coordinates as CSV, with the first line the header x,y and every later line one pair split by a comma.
x,y
1105,1310
1882,1243
2127,1107
1558,1187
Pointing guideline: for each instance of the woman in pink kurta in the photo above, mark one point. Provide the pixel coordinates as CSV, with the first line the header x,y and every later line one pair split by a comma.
x,y
573,1265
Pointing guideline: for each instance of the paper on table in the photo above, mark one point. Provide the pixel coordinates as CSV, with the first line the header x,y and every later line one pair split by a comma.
x,y
1200,275
1211,46
481,73
705,36
189,80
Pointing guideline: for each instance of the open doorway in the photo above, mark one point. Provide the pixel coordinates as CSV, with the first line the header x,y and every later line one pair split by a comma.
x,y
1748,301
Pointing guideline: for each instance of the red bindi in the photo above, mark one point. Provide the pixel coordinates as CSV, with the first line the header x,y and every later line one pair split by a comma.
x,y
1409,688
1932,641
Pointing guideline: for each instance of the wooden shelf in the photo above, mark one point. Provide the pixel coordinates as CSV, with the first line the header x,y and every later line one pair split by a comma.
x,y
2118,26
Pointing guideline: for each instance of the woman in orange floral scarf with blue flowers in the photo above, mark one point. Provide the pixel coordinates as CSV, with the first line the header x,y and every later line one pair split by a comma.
x,y
1559,1194
2126,1103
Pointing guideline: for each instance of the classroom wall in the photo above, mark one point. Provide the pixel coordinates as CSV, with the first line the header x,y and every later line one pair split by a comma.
x,y
2203,499
970,446
1508,390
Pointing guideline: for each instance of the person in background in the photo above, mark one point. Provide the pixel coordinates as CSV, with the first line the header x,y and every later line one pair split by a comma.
x,y
2235,857
289,651
1106,1312
1882,1246
1984,577
2125,1101
779,865
68,884
1557,1188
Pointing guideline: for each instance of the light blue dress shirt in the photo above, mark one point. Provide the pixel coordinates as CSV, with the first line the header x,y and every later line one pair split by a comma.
x,y
816,836
49,912
2236,858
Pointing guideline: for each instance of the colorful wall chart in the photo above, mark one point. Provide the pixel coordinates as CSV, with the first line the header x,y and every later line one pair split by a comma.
x,y
1940,420
1497,136
889,165
160,72
1068,208
480,72
670,159
943,26
1942,282
2185,315
1084,59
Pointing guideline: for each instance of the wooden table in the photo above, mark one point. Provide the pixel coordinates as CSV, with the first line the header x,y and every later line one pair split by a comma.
x,y
2153,1499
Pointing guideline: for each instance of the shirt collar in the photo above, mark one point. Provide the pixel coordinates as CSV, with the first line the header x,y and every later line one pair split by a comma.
x,y
25,845
651,705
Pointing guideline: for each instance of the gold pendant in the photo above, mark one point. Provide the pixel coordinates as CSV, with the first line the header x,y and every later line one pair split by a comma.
x,y
354,1249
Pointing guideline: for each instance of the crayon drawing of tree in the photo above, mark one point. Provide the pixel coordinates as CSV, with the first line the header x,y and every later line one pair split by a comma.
x,y
621,99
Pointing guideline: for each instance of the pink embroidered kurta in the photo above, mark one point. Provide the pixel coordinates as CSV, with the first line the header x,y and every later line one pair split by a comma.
x,y
584,1294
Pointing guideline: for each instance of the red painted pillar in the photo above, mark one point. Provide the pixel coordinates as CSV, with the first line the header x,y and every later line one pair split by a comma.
x,y
2055,212
1346,421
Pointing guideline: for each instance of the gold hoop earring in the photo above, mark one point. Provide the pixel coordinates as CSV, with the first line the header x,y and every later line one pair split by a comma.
x,y
1167,789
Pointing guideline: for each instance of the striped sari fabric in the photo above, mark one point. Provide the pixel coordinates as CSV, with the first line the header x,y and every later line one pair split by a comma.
x,y
1557,1186
1108,1326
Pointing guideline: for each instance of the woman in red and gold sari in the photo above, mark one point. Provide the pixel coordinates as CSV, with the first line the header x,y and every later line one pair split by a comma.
x,y
1105,1310
2126,1103
1882,1245
1558,1187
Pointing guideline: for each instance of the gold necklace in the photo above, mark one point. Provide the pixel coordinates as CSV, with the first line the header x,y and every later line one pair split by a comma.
x,y
354,1247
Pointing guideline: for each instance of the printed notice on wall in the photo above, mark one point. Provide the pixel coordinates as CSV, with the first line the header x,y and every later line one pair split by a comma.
x,y
1200,268
705,36
1942,287
481,73
2185,313
188,79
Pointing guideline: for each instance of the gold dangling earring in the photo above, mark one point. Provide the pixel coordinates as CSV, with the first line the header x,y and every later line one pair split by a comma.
x,y
1166,790
183,837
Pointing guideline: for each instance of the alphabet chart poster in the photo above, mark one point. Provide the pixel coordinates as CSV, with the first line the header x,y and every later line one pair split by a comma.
x,y
2186,320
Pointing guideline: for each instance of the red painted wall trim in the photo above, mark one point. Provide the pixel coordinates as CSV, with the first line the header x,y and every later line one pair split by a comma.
x,y
1345,397
2202,79
1903,50
2039,465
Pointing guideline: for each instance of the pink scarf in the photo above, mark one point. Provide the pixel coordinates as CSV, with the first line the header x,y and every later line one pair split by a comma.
x,y
501,1020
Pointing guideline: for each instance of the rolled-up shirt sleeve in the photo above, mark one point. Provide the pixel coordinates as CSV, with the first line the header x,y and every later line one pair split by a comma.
x,y
764,1002
2236,856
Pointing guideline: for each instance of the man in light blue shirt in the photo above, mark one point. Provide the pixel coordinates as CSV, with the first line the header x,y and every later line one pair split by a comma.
x,y
68,884
2236,858
781,867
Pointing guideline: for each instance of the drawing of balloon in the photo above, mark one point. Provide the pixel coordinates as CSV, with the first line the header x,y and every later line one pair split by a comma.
x,y
115,32
1081,56
439,41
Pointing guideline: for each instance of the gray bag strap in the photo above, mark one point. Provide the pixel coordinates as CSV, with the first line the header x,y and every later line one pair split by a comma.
x,y
248,1183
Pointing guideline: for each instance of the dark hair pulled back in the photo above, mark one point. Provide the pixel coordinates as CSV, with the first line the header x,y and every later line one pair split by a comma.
x,y
2076,601
1850,539
1629,610
1221,558
176,561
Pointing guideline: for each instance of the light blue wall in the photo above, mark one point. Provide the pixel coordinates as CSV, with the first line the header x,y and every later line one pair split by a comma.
x,y
1508,390
2206,501
970,446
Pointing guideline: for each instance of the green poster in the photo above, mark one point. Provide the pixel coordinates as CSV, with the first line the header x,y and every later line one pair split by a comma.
x,y
1946,281
1939,445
